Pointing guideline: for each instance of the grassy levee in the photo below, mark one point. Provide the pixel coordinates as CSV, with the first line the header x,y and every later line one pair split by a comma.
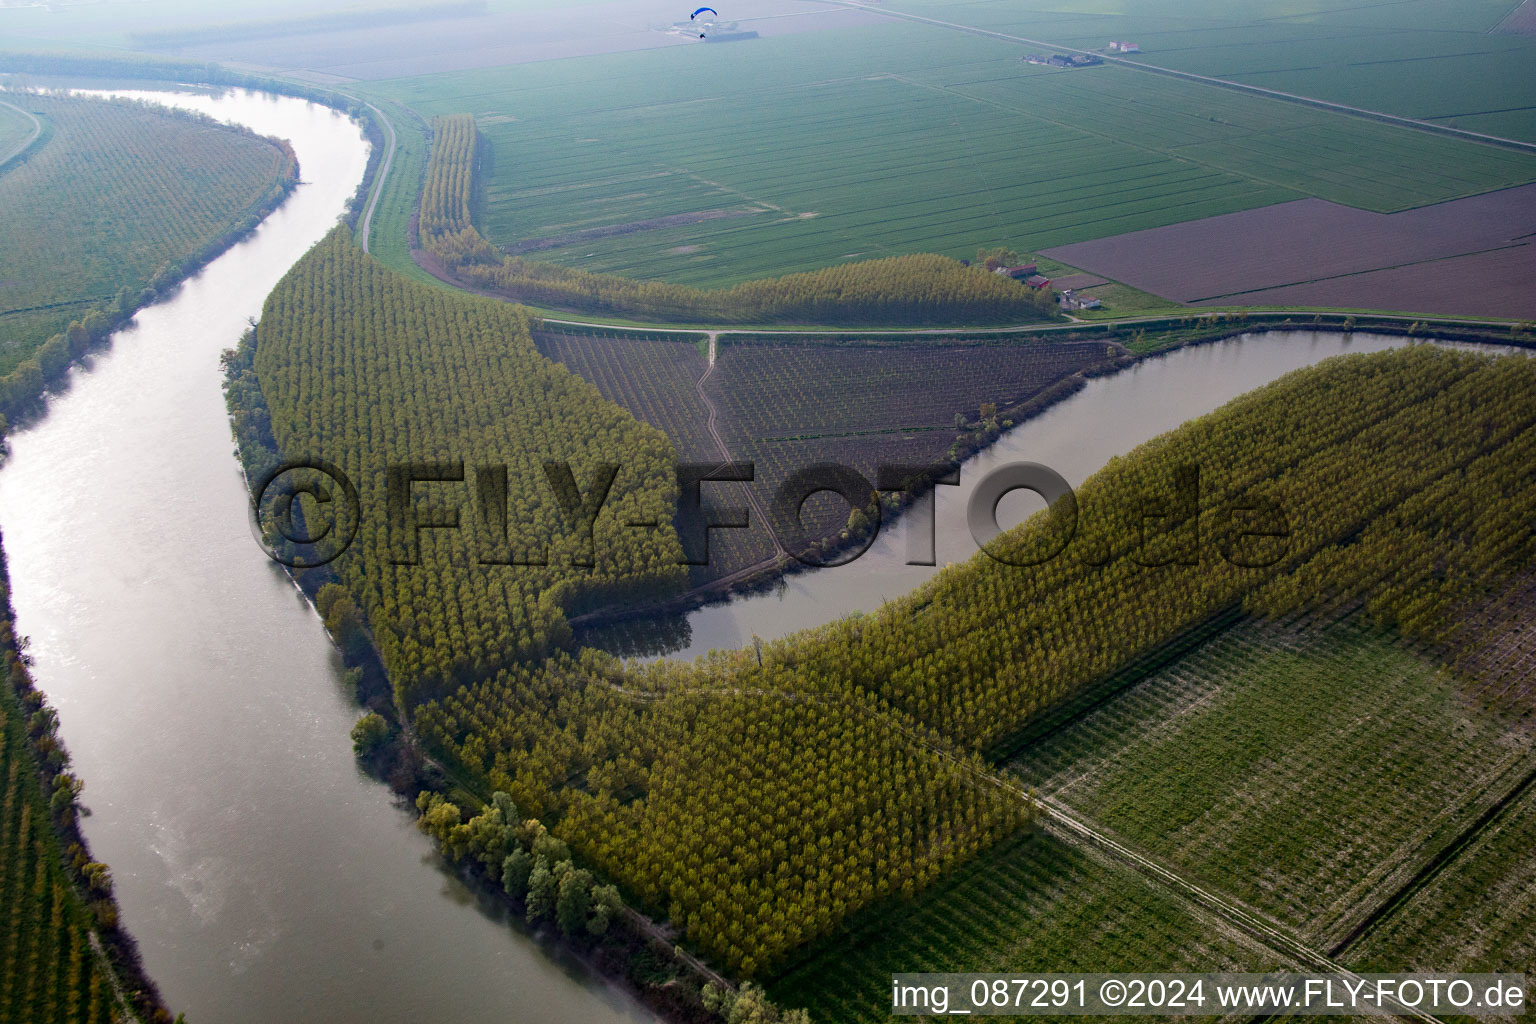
x,y
15,129
393,221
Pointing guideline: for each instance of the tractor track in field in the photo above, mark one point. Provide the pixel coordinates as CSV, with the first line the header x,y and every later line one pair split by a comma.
x,y
1451,852
725,455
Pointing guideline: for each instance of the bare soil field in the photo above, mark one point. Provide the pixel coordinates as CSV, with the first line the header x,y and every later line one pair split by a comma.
x,y
494,40
1498,283
785,406
1521,21
1076,281
657,381
1464,257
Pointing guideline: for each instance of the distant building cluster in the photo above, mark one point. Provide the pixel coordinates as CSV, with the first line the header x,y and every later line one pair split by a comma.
x,y
1030,274
1124,48
1022,272
1064,60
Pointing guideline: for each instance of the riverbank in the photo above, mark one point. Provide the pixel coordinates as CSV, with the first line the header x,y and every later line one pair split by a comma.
x,y
24,397
22,390
1133,346
35,749
634,952
263,875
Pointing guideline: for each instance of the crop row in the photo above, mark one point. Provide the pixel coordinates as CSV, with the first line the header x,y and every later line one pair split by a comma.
x,y
120,192
1036,905
1302,771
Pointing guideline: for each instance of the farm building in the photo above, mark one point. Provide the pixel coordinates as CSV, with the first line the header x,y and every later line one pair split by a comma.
x,y
1124,48
1074,60
1037,281
1021,272
1072,300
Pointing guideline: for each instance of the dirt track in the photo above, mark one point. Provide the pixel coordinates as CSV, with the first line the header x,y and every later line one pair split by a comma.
x,y
37,129
378,192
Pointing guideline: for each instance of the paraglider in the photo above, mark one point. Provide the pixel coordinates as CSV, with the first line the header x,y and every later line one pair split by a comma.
x,y
694,16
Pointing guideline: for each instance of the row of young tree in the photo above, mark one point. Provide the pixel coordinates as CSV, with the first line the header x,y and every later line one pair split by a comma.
x,y
754,818
439,403
760,798
913,289
126,200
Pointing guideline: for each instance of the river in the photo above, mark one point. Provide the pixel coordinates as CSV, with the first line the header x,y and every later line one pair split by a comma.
x,y
1075,437
265,878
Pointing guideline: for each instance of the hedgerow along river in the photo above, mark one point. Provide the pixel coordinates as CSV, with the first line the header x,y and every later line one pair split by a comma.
x,y
265,878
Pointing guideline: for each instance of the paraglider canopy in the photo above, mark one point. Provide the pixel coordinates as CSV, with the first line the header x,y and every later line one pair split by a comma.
x,y
701,10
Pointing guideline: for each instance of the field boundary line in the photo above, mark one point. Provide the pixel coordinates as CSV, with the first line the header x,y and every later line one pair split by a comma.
x,y
1189,76
1361,273
1270,934
1498,27
1438,863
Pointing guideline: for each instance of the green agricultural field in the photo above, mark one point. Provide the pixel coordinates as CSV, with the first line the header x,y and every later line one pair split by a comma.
x,y
1040,905
1477,914
719,164
1428,59
1307,772
119,194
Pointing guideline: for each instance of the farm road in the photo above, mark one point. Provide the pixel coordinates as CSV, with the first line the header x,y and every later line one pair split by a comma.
x,y
725,456
366,224
21,147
